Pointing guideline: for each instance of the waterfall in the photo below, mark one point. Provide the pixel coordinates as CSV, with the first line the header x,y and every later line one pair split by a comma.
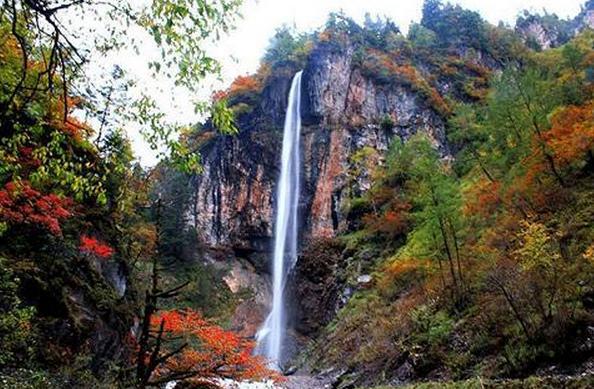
x,y
271,335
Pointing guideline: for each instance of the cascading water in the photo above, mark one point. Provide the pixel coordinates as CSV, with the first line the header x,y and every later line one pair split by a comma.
x,y
271,335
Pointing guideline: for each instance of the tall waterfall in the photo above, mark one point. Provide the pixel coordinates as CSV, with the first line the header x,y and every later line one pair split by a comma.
x,y
271,335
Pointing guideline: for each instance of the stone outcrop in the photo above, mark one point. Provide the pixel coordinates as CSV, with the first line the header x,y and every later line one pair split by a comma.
x,y
248,315
548,31
316,284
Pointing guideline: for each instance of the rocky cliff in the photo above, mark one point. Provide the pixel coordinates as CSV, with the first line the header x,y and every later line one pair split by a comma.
x,y
343,112
349,119
350,113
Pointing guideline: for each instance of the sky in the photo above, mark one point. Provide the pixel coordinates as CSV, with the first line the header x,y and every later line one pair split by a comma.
x,y
241,50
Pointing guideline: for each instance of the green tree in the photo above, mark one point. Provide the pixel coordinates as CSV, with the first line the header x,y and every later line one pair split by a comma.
x,y
436,200
454,25
421,37
287,46
518,115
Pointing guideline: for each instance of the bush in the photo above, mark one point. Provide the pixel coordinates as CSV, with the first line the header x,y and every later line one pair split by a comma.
x,y
421,37
387,123
432,328
16,331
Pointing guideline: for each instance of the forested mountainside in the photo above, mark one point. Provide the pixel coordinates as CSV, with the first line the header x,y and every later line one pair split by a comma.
x,y
446,216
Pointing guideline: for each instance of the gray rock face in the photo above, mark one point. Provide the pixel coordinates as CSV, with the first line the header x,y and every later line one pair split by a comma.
x,y
250,313
548,31
545,38
326,82
232,203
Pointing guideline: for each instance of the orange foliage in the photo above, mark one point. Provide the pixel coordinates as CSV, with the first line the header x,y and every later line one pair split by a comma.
x,y
402,270
528,190
482,198
393,222
379,61
448,69
480,70
244,84
409,73
219,95
438,102
21,204
61,118
215,353
571,135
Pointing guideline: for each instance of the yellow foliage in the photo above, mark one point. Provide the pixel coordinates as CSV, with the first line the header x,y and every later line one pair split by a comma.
x,y
537,248
589,254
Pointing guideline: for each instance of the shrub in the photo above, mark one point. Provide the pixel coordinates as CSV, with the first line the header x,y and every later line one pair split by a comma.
x,y
387,123
432,328
20,204
17,336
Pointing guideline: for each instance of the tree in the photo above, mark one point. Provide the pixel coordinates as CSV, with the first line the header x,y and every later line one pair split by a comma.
x,y
454,25
50,60
180,344
436,201
68,198
421,37
287,46
571,136
517,118
20,204
212,353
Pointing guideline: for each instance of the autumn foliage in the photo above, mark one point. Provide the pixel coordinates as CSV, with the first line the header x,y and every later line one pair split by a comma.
x,y
389,68
571,136
20,204
483,198
244,84
212,352
392,222
93,246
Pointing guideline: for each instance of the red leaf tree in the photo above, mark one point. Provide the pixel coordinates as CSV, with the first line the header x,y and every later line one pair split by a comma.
x,y
211,351
93,246
20,204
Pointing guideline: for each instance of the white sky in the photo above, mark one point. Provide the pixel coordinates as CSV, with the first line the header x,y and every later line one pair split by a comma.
x,y
241,51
